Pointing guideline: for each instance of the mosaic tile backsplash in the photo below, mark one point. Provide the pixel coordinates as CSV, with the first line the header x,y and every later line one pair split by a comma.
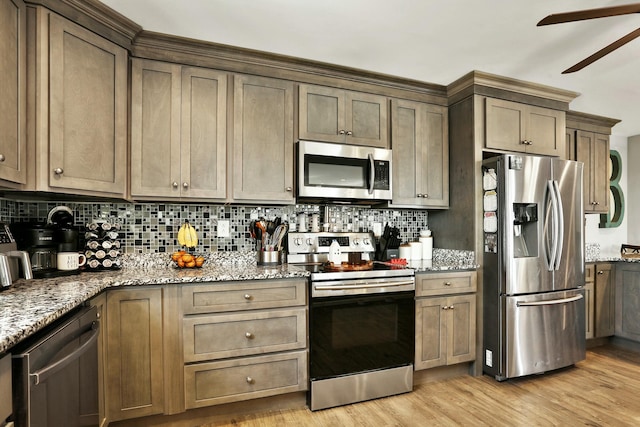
x,y
151,227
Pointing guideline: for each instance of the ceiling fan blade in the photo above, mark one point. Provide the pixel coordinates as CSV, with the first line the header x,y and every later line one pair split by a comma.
x,y
580,15
604,51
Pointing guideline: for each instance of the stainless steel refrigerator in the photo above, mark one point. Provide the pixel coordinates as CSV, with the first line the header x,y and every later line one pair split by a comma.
x,y
533,269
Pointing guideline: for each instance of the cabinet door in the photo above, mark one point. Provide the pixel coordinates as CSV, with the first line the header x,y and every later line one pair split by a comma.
x,y
13,86
504,125
155,128
604,301
134,353
461,329
420,154
431,338
545,131
366,120
627,295
88,110
263,140
321,113
593,150
204,133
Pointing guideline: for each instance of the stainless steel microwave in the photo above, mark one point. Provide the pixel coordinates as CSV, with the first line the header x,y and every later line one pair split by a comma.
x,y
329,171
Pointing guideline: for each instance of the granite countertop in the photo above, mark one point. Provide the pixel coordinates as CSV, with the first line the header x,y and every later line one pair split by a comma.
x,y
29,306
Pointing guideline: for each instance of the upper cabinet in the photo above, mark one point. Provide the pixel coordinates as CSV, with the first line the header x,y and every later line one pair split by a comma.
x,y
335,115
588,142
178,131
13,86
78,137
263,140
512,126
420,143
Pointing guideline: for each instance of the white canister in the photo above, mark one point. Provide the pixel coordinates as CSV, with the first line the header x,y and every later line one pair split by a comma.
x,y
427,247
405,251
416,250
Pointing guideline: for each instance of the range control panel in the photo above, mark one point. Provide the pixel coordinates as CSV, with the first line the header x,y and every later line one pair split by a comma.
x,y
310,243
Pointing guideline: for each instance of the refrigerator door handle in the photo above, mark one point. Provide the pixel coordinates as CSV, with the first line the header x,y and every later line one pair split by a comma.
x,y
551,258
549,302
559,226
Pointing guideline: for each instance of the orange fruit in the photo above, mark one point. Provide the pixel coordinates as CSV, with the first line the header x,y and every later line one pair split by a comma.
x,y
175,256
187,258
180,262
199,261
191,264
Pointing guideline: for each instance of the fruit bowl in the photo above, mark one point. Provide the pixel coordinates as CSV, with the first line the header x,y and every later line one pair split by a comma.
x,y
183,259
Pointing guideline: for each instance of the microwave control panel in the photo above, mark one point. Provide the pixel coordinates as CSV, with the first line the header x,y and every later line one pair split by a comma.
x,y
381,179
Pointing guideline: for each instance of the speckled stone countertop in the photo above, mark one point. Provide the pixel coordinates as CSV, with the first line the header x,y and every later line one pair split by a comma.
x,y
28,306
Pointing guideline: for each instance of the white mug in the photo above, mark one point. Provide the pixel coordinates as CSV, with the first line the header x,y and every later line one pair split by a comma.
x,y
70,260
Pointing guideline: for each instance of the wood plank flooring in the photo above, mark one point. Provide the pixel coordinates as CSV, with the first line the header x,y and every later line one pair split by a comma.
x,y
603,390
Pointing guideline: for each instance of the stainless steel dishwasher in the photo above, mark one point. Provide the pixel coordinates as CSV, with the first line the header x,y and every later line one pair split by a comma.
x,y
55,375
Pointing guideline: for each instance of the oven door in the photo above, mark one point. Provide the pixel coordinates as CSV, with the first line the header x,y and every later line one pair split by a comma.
x,y
361,333
340,171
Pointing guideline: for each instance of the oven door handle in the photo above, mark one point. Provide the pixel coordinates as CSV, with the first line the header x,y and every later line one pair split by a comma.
x,y
42,374
363,285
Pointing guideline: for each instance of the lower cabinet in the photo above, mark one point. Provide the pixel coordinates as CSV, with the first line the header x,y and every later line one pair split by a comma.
x,y
627,297
445,323
603,299
244,340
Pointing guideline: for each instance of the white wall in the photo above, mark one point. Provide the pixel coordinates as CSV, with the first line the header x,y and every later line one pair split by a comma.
x,y
610,239
633,197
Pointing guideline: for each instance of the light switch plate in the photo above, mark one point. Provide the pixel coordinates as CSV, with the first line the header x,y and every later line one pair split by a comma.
x,y
223,228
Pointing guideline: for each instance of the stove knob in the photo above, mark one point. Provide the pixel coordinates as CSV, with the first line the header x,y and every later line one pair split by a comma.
x,y
366,241
309,241
297,241
356,241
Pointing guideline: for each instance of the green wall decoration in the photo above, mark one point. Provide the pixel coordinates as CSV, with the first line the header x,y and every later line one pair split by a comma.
x,y
610,220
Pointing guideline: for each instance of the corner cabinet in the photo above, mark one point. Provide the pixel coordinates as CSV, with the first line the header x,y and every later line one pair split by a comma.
x,y
445,319
79,109
13,84
335,115
263,140
420,143
512,126
178,131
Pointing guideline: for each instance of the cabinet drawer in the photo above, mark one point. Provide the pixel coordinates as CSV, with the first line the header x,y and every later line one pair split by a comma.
x,y
445,283
249,295
242,379
220,336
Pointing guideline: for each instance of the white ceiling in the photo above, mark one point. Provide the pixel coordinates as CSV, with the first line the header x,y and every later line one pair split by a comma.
x,y
435,41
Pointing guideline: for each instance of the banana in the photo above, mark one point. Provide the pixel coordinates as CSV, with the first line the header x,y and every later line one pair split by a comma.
x,y
187,235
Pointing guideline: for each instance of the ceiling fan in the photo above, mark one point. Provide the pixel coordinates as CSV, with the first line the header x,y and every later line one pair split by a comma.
x,y
580,15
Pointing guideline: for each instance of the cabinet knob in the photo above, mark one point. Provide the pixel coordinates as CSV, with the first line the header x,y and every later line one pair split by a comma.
x,y
419,196
341,132
250,380
1,157
450,307
247,297
349,133
185,185
600,272
445,308
58,171
248,335
289,189
447,283
175,184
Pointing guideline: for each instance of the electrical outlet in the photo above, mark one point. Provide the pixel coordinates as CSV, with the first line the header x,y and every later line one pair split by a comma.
x,y
377,229
223,228
488,355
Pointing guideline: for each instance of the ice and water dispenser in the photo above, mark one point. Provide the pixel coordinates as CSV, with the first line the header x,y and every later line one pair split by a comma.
x,y
525,230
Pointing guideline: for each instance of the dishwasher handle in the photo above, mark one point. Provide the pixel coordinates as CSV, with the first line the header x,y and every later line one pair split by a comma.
x,y
42,374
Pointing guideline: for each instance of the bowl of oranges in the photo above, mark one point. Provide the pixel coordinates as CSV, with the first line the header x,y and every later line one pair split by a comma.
x,y
184,259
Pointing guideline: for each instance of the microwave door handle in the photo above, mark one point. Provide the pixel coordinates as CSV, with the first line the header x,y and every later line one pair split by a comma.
x,y
372,173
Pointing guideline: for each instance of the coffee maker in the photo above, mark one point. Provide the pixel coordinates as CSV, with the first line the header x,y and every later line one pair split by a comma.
x,y
43,241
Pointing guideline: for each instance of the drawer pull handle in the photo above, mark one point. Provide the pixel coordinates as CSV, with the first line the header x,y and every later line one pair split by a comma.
x,y
247,297
250,380
447,283
249,335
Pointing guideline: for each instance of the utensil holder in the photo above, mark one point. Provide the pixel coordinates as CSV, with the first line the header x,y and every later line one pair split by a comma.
x,y
269,257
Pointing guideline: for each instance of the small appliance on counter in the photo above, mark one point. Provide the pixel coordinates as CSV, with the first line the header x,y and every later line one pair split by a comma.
x,y
13,263
43,242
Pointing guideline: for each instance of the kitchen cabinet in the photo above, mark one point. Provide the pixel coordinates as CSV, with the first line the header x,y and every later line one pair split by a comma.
x,y
244,340
13,86
445,319
336,115
178,131
603,300
512,126
627,297
588,142
263,169
78,140
420,143
589,306
134,357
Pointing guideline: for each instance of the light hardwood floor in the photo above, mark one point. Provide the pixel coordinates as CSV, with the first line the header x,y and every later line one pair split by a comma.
x,y
603,390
